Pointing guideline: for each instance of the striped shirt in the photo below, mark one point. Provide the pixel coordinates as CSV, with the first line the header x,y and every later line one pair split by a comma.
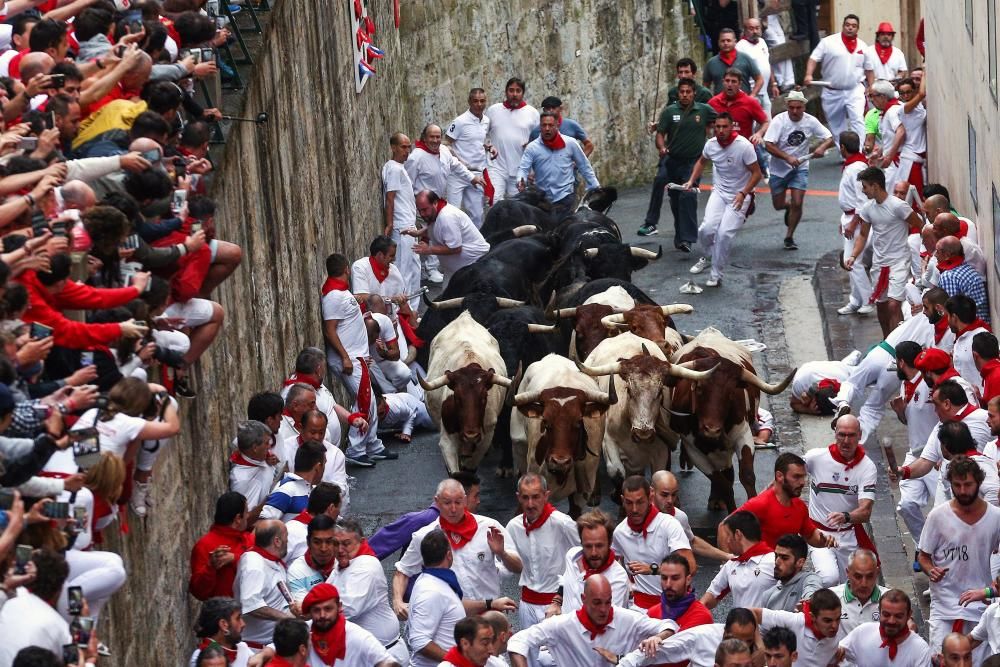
x,y
288,499
835,488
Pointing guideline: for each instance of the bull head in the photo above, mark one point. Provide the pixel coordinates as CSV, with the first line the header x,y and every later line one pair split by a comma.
x,y
464,411
618,320
457,302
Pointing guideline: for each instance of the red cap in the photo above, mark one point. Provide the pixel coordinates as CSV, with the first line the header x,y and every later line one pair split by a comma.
x,y
319,593
932,359
885,26
829,383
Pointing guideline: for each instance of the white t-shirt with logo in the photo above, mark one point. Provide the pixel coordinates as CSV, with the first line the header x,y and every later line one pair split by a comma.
x,y
404,205
889,230
469,134
731,173
341,305
793,138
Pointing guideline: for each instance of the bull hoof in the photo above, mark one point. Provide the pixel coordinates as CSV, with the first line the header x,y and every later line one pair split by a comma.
x,y
505,473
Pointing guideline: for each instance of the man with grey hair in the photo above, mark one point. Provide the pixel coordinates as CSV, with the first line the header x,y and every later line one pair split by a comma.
x,y
252,466
542,535
299,399
310,367
860,594
892,134
258,575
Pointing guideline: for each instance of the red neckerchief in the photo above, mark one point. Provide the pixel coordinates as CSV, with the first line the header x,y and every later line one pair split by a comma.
x,y
989,367
335,284
555,143
230,653
947,375
893,643
461,533
594,629
325,570
976,324
278,661
910,388
940,329
646,520
441,203
600,568
238,458
963,229
331,645
852,158
456,658
966,411
424,147
850,42
380,273
304,378
756,549
950,263
303,517
365,550
890,104
540,521
730,139
266,555
858,455
728,58
809,621
511,107
884,53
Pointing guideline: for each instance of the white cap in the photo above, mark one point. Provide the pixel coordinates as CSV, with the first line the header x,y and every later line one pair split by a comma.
x,y
795,96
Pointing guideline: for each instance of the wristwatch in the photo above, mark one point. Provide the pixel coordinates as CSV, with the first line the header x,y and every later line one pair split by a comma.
x,y
847,517
654,568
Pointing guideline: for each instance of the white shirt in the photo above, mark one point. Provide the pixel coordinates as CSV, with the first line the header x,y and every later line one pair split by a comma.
x,y
569,642
297,536
888,122
243,655
892,67
335,471
965,550
920,330
363,280
325,403
363,650
864,647
572,582
812,372
761,57
386,333
403,410
469,135
731,165
793,138
833,488
115,433
749,581
920,416
850,196
365,598
979,429
27,620
404,204
697,645
341,305
256,586
889,230
988,629
434,611
663,537
253,478
542,551
813,652
961,358
454,229
288,499
301,577
431,172
476,567
844,71
854,612
509,131
915,124
682,518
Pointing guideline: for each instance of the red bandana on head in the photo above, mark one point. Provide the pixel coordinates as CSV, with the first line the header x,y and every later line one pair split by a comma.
x,y
724,142
555,143
728,58
424,147
600,569
893,642
756,549
455,657
514,107
332,284
643,526
596,630
461,533
858,455
331,645
540,521
381,273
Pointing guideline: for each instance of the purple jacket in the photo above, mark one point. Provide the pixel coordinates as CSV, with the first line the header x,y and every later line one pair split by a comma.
x,y
396,535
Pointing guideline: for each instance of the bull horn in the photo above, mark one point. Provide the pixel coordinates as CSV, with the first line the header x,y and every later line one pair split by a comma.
x,y
508,303
524,230
436,383
591,252
645,350
411,355
500,380
572,348
642,253
541,328
600,371
684,373
560,313
677,309
613,321
772,389
527,397
447,304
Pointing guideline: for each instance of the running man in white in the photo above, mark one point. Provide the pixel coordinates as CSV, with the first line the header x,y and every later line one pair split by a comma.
x,y
736,173
466,136
851,198
843,61
511,122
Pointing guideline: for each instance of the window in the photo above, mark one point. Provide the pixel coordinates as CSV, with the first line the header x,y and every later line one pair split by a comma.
x,y
996,229
991,30
968,19
973,167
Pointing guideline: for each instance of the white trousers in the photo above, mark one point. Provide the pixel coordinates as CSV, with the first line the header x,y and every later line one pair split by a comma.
x,y
98,573
784,74
504,184
392,376
914,494
831,563
871,373
468,197
400,653
861,283
408,264
718,228
149,452
357,444
845,110
529,615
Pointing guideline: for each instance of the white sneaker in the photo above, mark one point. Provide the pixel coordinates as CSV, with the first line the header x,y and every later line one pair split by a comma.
x,y
701,265
849,309
853,359
434,276
866,309
713,282
138,501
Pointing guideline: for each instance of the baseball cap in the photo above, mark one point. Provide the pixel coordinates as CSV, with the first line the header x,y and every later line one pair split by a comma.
x,y
795,96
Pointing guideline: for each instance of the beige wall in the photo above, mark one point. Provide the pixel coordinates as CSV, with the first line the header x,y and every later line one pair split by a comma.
x,y
957,91
900,13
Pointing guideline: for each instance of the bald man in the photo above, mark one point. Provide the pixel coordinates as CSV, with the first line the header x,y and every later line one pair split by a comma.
x,y
599,631
665,492
956,651
948,224
957,276
430,165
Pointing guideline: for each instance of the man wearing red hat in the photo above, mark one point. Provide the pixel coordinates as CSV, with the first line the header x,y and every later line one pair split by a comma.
x,y
936,366
882,59
815,384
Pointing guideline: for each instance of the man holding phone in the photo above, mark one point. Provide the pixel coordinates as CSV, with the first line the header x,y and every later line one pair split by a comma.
x,y
31,619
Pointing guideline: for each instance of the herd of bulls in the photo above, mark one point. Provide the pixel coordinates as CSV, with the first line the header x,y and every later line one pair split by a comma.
x,y
545,348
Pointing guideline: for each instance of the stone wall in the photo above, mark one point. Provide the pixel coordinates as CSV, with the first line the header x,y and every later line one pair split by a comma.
x,y
307,184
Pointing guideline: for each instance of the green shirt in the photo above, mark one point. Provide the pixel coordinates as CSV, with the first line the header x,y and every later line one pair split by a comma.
x,y
701,94
684,129
871,122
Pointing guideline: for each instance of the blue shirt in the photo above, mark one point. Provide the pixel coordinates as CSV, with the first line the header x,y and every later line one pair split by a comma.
x,y
569,128
554,169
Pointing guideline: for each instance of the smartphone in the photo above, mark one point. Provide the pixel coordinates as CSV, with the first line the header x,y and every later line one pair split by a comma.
x,y
80,628
131,242
27,143
70,655
87,358
196,227
135,27
178,201
41,410
80,516
208,55
141,323
50,120
196,55
86,447
74,599
153,155
60,228
40,331
180,167
57,80
56,510
6,499
22,556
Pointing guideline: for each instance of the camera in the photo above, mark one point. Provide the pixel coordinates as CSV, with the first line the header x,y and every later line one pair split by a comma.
x,y
86,447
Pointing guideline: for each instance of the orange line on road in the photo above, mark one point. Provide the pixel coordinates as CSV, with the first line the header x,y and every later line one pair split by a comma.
x,y
767,191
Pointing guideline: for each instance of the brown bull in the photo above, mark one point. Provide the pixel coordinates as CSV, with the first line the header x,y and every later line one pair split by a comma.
x,y
650,322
